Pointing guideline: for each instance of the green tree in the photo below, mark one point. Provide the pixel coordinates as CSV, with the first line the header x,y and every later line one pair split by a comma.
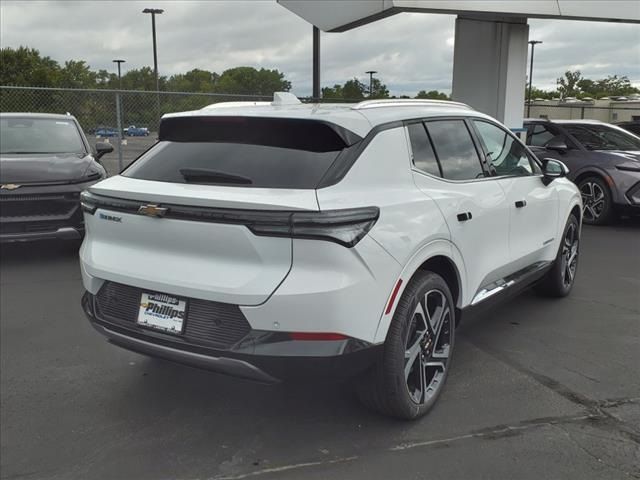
x,y
354,90
77,74
250,81
568,85
25,67
433,94
334,92
195,80
538,93
106,79
142,79
613,86
378,89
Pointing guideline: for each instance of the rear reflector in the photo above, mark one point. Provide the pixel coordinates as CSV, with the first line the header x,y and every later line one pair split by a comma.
x,y
393,297
317,336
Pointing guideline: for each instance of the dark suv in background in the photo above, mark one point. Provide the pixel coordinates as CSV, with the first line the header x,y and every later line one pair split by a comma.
x,y
45,162
603,159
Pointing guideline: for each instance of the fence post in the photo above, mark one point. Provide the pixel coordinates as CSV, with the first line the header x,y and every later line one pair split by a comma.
x,y
582,113
119,122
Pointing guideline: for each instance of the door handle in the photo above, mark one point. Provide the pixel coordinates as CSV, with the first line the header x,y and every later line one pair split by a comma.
x,y
463,217
521,203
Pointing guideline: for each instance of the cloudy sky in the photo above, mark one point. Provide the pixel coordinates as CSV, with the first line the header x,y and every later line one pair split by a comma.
x,y
411,51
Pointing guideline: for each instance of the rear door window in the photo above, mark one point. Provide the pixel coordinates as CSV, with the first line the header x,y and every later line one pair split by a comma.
x,y
242,151
455,149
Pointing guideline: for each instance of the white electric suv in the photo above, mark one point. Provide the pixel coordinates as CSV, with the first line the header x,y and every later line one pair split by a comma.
x,y
278,240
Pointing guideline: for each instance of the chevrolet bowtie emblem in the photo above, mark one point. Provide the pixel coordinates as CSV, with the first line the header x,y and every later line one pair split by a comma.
x,y
152,210
9,186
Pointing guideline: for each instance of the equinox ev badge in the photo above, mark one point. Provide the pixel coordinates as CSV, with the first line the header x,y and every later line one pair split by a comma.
x,y
9,186
152,210
111,218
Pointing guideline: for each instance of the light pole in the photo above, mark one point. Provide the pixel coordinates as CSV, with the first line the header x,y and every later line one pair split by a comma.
x,y
370,73
119,73
316,64
119,113
153,12
533,44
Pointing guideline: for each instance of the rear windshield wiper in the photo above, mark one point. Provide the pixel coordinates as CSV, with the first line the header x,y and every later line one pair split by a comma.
x,y
203,175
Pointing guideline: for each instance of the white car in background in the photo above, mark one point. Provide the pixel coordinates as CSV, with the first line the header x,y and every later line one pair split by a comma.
x,y
276,240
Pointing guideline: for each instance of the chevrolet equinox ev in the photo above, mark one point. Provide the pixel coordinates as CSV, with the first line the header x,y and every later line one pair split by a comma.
x,y
282,240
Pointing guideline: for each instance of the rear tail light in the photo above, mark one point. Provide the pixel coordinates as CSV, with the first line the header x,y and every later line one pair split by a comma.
x,y
86,204
345,227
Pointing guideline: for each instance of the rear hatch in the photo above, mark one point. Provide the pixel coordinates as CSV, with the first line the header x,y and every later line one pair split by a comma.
x,y
181,219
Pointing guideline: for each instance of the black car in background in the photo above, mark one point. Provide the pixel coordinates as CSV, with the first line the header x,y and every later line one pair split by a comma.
x,y
603,159
45,162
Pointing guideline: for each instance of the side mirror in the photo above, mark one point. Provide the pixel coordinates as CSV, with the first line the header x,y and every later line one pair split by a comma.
x,y
552,169
558,144
102,148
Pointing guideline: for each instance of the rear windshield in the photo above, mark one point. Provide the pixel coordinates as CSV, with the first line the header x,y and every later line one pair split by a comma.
x,y
39,135
241,151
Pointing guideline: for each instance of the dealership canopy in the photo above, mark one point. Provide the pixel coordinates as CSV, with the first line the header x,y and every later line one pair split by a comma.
x,y
490,52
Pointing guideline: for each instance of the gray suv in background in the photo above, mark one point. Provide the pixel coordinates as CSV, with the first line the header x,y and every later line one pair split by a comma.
x,y
45,162
603,159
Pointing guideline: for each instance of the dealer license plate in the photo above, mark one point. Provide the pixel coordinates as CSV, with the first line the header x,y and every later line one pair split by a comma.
x,y
162,312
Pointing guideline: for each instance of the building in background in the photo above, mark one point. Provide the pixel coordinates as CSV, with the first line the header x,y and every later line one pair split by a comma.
x,y
605,109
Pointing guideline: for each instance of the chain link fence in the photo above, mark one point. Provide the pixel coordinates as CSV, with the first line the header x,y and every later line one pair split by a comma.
x,y
110,115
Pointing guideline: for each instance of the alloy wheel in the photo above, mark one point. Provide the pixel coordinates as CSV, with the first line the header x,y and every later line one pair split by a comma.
x,y
570,254
428,346
593,200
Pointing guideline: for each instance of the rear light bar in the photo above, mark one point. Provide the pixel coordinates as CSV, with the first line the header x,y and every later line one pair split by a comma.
x,y
345,227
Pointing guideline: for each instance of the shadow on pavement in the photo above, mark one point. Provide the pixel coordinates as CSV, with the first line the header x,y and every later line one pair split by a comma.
x,y
37,252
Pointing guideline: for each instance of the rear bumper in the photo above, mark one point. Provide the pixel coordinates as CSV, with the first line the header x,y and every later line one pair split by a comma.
x,y
266,357
63,233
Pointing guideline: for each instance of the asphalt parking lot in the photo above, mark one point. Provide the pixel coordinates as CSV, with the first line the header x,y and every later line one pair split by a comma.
x,y
131,149
538,389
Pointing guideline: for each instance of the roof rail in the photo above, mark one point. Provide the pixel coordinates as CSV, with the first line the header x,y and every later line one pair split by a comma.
x,y
407,102
234,104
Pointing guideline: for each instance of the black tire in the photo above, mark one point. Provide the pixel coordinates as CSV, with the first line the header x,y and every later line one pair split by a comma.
x,y
597,200
559,281
385,388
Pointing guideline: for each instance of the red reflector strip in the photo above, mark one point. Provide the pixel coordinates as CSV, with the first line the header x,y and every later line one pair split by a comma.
x,y
317,336
393,297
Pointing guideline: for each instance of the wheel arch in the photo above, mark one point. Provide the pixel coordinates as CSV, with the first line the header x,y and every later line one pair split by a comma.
x,y
591,172
600,173
439,257
577,211
444,267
